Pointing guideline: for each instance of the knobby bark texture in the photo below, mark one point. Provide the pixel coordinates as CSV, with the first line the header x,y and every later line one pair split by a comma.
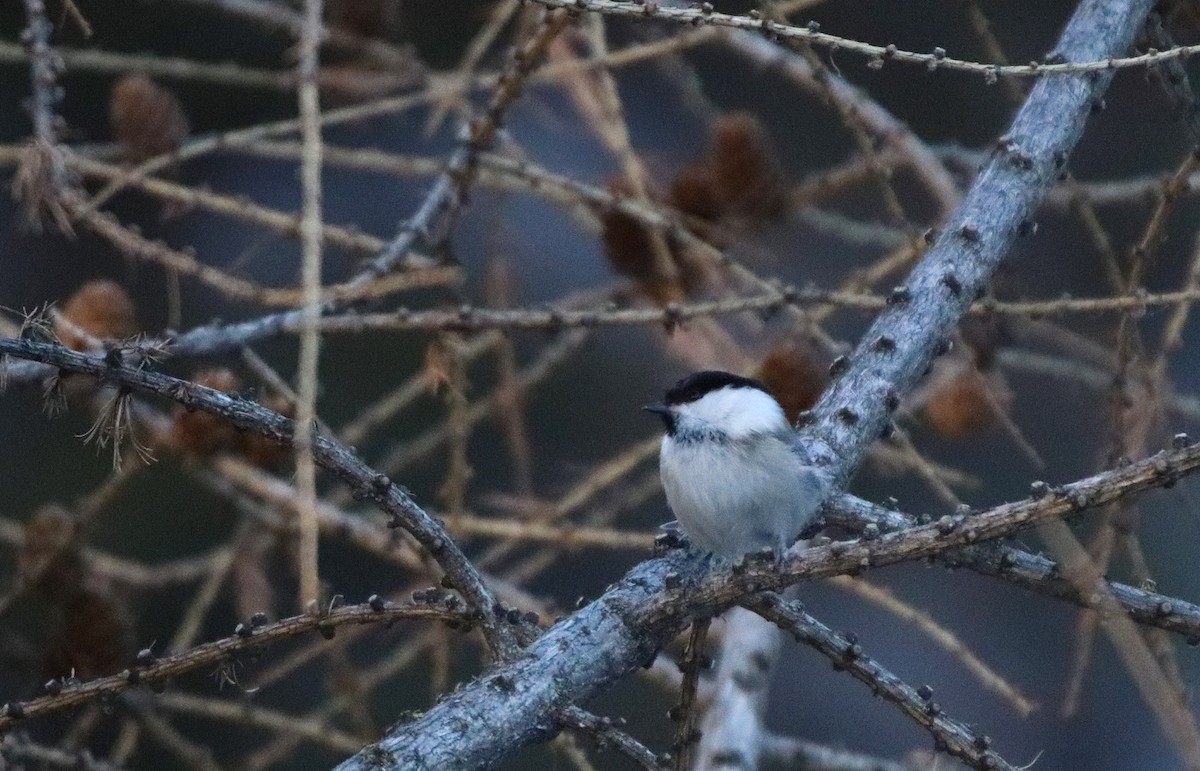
x,y
516,703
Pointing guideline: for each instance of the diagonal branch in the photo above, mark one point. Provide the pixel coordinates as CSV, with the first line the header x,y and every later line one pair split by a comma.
x,y
368,485
1028,571
901,344
247,637
949,734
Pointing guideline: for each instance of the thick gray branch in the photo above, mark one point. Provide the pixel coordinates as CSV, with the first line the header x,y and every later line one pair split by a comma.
x,y
896,351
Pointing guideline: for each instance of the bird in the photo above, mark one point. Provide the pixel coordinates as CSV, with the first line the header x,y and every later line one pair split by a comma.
x,y
735,476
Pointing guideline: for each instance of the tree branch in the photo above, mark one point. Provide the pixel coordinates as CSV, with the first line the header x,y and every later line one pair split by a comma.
x,y
367,484
949,734
250,636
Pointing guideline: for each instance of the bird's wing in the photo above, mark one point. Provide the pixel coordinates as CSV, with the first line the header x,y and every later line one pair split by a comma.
x,y
817,476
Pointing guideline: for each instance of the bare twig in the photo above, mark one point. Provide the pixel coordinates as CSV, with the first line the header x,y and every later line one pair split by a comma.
x,y
941,636
369,485
310,231
434,216
42,178
19,750
685,713
604,731
1166,702
248,637
844,650
807,754
273,16
937,60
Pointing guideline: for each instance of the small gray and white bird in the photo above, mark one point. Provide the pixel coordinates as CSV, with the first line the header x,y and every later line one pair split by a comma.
x,y
731,467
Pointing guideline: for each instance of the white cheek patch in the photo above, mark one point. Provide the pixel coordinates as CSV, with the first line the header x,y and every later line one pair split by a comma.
x,y
738,412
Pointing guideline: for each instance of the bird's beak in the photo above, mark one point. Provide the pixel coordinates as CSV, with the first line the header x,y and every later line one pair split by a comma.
x,y
658,409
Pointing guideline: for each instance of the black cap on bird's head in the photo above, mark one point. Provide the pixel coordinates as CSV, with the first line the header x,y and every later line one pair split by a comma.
x,y
696,386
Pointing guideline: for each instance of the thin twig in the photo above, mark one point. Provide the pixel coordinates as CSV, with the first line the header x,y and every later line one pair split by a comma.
x,y
944,638
606,733
938,60
310,231
844,650
207,655
685,714
434,217
1167,704
369,484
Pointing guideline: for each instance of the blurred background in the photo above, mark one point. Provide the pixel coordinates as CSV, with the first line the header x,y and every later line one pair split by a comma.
x,y
767,164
